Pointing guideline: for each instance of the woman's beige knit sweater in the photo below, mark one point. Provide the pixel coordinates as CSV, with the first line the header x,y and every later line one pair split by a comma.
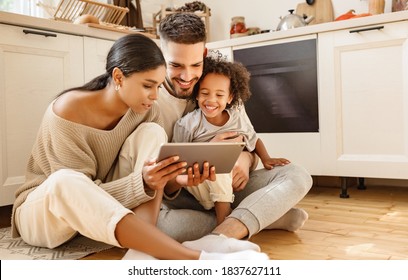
x,y
62,144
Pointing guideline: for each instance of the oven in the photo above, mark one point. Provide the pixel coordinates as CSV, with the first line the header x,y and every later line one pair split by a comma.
x,y
283,85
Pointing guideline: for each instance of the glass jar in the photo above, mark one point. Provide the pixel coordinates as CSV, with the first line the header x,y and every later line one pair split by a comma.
x,y
238,26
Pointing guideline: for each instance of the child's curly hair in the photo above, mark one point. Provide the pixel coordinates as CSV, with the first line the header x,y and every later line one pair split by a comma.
x,y
235,71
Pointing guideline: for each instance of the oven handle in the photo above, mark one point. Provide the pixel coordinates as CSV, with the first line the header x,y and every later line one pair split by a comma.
x,y
367,29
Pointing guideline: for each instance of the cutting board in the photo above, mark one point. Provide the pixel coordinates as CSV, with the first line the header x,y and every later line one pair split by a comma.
x,y
306,9
322,10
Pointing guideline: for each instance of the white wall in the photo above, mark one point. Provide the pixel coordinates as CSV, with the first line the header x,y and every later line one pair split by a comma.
x,y
258,13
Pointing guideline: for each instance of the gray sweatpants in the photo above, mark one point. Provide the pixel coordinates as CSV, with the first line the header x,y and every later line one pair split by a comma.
x,y
268,195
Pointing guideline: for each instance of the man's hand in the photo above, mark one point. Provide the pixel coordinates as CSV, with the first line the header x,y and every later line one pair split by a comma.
x,y
194,177
240,172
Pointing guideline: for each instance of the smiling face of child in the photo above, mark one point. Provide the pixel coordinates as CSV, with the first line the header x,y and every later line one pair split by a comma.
x,y
213,96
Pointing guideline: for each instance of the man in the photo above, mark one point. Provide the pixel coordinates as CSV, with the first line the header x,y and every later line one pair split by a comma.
x,y
263,198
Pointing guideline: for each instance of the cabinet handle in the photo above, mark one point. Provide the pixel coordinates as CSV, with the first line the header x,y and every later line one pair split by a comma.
x,y
367,29
46,34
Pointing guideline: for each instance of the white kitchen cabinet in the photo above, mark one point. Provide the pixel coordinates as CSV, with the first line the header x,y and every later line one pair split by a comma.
x,y
95,52
35,66
363,97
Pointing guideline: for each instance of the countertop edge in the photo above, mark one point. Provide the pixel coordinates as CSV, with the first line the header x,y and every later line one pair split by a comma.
x,y
58,26
84,30
312,29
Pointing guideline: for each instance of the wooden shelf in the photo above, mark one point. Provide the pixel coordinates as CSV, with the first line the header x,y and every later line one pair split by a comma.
x,y
120,28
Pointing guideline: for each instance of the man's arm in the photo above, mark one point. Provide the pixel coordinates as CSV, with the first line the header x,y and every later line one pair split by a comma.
x,y
246,162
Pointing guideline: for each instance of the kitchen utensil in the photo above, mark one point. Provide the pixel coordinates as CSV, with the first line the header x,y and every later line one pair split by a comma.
x,y
83,19
293,21
376,7
324,11
69,10
305,9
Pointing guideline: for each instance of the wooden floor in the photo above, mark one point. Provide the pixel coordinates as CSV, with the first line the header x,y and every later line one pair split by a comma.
x,y
371,224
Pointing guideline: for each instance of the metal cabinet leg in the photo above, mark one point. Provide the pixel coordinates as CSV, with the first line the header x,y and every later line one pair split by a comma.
x,y
361,185
344,188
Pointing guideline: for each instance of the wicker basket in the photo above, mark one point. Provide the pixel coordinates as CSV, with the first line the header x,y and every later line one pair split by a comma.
x,y
69,10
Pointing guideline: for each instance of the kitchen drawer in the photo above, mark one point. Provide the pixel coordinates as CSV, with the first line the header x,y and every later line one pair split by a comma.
x,y
36,38
371,33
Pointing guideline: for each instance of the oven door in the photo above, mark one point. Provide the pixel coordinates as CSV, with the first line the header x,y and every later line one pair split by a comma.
x,y
283,85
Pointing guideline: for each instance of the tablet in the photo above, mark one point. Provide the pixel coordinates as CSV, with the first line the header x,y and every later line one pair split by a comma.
x,y
222,155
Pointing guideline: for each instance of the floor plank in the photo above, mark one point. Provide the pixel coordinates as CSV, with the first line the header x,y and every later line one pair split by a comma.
x,y
371,225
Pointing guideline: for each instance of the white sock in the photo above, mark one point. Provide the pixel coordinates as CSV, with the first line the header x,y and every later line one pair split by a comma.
x,y
137,255
241,255
293,220
221,244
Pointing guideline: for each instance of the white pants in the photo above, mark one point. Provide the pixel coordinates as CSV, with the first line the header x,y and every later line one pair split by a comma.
x,y
69,202
209,192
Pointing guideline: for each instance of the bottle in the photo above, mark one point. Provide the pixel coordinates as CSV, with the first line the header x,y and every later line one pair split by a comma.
x,y
238,27
376,7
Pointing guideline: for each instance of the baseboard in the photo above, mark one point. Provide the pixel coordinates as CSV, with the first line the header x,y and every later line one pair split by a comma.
x,y
334,181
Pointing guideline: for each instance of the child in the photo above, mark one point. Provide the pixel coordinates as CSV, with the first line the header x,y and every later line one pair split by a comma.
x,y
220,94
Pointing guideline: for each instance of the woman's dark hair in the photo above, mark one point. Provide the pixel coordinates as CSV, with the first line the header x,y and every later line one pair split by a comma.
x,y
235,71
131,54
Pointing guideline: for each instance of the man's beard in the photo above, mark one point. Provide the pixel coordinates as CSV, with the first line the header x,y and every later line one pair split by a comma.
x,y
181,94
184,93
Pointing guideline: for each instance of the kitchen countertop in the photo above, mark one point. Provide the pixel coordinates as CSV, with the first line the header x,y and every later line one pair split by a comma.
x,y
58,26
312,29
84,30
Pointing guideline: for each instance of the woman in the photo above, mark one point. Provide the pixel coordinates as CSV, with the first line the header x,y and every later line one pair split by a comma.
x,y
92,169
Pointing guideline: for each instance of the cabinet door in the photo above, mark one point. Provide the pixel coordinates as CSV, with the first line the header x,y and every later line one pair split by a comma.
x,y
363,81
35,66
95,52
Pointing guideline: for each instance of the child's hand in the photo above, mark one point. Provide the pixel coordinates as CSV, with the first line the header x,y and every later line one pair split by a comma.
x,y
156,174
272,162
